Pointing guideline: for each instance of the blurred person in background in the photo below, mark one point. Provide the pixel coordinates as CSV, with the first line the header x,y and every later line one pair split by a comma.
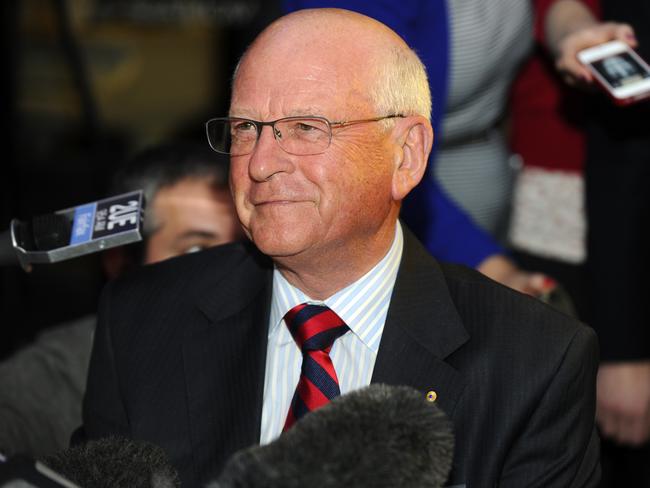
x,y
189,208
547,120
618,243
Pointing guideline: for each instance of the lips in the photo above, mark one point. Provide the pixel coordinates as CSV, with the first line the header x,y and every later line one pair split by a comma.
x,y
277,202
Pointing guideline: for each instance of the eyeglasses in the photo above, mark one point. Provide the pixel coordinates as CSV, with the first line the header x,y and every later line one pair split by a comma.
x,y
300,136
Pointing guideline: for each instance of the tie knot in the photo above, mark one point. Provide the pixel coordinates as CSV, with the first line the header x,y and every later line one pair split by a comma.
x,y
314,327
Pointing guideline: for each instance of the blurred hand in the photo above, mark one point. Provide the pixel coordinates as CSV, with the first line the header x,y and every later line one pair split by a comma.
x,y
506,272
567,48
623,402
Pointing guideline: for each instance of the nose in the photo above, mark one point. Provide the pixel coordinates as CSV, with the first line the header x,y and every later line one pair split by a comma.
x,y
268,158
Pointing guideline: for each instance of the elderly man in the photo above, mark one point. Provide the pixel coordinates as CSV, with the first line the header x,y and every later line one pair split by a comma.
x,y
203,355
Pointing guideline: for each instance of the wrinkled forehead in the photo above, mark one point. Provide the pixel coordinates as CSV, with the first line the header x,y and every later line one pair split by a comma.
x,y
304,77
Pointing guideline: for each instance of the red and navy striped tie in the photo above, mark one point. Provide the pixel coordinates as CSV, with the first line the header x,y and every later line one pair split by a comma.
x,y
314,328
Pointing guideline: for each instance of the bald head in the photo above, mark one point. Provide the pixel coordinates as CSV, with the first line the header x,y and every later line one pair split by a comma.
x,y
376,63
338,30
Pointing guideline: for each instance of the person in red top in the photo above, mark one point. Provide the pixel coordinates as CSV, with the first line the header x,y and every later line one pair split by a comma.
x,y
547,136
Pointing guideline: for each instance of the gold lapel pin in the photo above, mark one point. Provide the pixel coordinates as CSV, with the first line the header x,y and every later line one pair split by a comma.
x,y
432,396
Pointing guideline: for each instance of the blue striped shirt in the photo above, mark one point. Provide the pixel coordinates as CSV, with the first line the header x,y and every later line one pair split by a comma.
x,y
363,306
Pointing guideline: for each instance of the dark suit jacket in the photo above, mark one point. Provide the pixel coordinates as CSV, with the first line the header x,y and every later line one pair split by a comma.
x,y
180,352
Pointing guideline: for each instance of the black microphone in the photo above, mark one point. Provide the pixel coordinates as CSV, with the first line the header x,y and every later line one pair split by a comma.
x,y
377,436
24,472
74,231
111,462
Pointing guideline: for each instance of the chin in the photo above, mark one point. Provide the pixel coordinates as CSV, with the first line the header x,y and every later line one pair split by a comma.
x,y
278,248
279,241
283,230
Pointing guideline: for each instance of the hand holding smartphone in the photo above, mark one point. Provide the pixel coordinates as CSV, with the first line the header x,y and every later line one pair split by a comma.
x,y
619,70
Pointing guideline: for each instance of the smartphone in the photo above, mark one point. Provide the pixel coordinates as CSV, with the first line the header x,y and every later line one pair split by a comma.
x,y
619,70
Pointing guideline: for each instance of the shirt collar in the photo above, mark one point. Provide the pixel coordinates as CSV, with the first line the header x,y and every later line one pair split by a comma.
x,y
357,304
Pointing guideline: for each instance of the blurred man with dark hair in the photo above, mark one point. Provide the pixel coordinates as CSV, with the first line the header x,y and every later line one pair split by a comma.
x,y
188,204
189,208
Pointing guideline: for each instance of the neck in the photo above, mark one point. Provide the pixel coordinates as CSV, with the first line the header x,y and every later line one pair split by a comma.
x,y
321,276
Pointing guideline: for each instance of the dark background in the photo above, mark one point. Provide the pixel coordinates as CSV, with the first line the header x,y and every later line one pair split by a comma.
x,y
86,84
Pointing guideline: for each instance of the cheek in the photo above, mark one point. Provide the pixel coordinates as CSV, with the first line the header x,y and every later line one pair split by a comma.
x,y
239,187
368,177
238,176
156,249
229,225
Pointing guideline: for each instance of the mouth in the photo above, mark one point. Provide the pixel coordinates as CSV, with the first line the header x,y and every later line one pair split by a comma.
x,y
274,202
278,202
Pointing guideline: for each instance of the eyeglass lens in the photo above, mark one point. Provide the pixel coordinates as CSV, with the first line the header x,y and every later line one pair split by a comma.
x,y
299,136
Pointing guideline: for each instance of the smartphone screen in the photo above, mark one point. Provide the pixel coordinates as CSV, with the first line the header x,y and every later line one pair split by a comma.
x,y
620,70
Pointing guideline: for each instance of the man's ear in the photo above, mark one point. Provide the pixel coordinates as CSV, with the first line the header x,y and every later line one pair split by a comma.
x,y
414,137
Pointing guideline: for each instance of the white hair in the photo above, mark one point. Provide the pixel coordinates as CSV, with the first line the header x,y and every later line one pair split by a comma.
x,y
401,85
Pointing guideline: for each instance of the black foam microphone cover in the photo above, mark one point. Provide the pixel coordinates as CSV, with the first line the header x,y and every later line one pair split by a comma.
x,y
115,462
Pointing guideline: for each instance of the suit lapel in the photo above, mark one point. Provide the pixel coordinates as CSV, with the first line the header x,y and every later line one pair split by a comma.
x,y
227,346
422,329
